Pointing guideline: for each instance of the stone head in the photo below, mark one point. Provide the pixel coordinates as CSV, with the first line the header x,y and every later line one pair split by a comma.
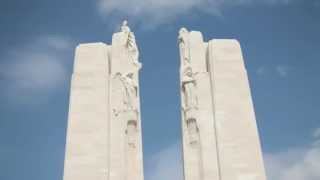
x,y
125,23
124,26
183,30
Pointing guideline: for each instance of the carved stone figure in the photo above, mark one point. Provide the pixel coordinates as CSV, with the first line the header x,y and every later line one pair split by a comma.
x,y
183,40
131,44
130,107
189,85
130,92
124,27
105,90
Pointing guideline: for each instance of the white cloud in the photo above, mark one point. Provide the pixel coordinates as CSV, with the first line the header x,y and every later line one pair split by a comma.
x,y
261,70
282,70
316,135
35,69
296,163
165,165
279,70
57,42
301,163
155,12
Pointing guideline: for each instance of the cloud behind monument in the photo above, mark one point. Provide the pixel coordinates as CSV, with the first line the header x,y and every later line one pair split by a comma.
x,y
157,12
37,68
295,163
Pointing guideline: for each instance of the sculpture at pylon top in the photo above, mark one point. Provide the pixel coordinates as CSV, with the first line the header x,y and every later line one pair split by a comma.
x,y
131,43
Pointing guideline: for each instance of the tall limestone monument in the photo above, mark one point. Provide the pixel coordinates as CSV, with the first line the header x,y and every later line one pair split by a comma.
x,y
104,127
220,137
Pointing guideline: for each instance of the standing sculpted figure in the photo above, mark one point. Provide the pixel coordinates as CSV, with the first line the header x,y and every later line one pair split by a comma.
x,y
191,103
130,92
183,40
131,44
188,84
124,27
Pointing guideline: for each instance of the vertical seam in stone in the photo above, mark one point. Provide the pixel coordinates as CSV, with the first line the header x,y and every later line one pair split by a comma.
x,y
108,109
182,133
182,115
213,106
139,135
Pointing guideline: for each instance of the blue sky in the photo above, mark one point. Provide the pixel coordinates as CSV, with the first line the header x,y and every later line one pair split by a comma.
x,y
280,40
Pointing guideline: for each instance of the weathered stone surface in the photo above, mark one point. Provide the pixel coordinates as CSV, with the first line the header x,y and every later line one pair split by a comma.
x,y
226,145
199,142
239,146
104,126
86,154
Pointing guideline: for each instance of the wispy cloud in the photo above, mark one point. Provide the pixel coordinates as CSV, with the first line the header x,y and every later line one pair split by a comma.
x,y
301,163
316,135
279,70
57,42
282,70
156,12
35,68
166,164
296,163
261,70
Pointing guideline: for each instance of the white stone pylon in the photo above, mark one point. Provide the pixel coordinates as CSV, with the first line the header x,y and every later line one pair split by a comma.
x,y
104,126
219,131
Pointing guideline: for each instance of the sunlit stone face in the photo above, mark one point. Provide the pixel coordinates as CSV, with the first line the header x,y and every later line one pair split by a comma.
x,y
104,126
222,122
